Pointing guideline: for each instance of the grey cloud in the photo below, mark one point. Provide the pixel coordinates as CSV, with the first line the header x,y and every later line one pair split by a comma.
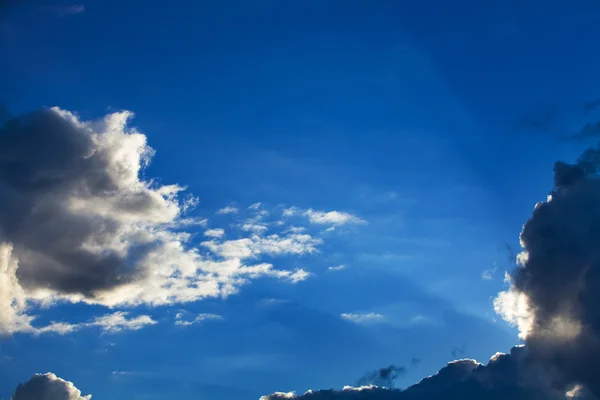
x,y
460,380
48,387
79,223
553,297
383,377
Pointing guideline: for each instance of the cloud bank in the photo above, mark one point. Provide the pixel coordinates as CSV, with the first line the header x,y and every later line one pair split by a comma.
x,y
80,223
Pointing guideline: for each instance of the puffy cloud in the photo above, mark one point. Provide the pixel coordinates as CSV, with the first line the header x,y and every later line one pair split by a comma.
x,y
333,218
228,210
79,224
337,267
555,291
48,387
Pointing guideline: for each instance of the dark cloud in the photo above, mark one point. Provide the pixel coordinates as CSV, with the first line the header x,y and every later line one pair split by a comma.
x,y
459,380
560,275
383,377
554,298
414,362
591,106
47,387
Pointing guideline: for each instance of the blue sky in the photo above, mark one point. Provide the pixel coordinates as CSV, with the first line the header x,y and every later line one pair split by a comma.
x,y
404,118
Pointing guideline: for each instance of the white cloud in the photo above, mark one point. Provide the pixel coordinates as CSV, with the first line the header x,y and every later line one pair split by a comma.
x,y
215,233
334,218
179,319
109,323
337,267
48,387
255,228
255,206
362,318
228,210
102,234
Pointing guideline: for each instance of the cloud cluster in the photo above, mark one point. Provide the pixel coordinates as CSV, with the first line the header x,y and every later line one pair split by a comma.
x,y
79,223
48,387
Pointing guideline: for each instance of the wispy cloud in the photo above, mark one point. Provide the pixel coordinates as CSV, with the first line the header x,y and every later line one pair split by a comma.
x,y
182,321
333,218
228,210
109,323
337,267
363,318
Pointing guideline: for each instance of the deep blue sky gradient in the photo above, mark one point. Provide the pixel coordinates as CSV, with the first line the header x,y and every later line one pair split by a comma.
x,y
407,114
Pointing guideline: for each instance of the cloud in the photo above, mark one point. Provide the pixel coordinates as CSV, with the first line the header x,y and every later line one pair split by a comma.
x,y
109,323
334,218
255,228
383,377
215,233
462,379
362,318
255,206
228,210
78,223
337,267
179,319
552,297
48,387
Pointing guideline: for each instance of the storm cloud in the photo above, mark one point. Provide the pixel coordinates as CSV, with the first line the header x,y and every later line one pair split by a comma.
x,y
553,298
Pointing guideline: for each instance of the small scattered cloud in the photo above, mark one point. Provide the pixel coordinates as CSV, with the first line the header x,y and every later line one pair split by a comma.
x,y
228,210
488,274
337,267
334,218
363,318
254,228
255,206
215,233
181,321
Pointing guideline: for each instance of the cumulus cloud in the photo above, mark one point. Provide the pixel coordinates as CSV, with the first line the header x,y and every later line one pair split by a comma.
x,y
182,321
48,387
78,223
228,210
333,218
362,318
